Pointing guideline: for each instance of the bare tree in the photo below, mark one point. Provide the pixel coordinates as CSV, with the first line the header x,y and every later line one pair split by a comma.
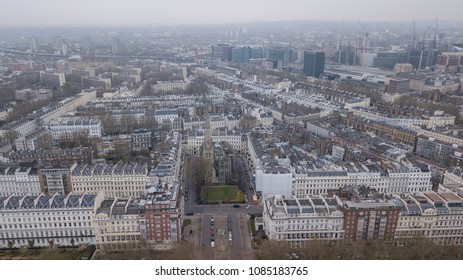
x,y
247,122
107,121
11,135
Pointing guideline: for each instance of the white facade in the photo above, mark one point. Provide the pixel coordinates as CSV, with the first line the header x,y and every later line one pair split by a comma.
x,y
116,224
165,114
396,180
66,127
196,139
41,219
449,138
19,181
428,121
273,180
169,85
119,180
300,220
436,216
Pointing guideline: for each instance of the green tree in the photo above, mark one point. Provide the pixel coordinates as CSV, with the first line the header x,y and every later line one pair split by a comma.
x,y
72,242
31,243
10,244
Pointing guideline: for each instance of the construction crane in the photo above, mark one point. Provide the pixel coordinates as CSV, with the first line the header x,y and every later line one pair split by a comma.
x,y
366,43
422,44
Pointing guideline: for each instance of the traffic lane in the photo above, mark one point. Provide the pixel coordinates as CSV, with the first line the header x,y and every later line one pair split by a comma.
x,y
206,231
236,242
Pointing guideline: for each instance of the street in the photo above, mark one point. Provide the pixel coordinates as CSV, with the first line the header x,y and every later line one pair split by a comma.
x,y
240,245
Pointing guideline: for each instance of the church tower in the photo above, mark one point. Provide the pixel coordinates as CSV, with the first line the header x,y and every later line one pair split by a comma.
x,y
208,152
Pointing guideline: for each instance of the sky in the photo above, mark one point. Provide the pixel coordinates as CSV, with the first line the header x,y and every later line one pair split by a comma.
x,y
38,13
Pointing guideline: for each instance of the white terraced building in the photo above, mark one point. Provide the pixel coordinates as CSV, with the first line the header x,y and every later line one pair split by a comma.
x,y
19,181
117,223
396,179
66,127
196,139
62,220
114,180
300,220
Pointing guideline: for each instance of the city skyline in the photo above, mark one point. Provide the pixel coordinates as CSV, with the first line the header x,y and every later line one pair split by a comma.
x,y
180,12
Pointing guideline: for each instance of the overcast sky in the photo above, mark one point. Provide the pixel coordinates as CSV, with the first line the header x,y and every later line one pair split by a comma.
x,y
180,12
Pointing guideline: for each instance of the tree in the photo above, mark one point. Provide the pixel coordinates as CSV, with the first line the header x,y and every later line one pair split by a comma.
x,y
199,169
45,141
72,241
127,121
197,86
10,244
11,135
67,88
31,243
146,90
107,121
247,122
51,243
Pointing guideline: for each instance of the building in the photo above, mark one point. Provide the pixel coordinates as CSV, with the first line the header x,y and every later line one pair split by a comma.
x,y
196,139
165,86
96,82
314,63
222,52
46,220
403,67
435,216
114,180
207,153
19,181
300,220
161,217
388,178
436,150
141,140
81,155
368,215
78,73
165,114
39,140
34,44
115,144
388,59
55,180
273,178
397,85
52,79
223,163
116,223
66,128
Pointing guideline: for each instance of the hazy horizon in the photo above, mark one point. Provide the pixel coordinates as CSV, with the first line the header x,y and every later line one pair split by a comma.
x,y
104,13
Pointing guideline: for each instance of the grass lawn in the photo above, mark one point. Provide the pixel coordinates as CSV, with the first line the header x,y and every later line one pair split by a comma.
x,y
224,193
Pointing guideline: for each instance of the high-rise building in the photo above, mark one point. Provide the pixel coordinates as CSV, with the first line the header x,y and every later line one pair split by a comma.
x,y
222,52
34,44
314,63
